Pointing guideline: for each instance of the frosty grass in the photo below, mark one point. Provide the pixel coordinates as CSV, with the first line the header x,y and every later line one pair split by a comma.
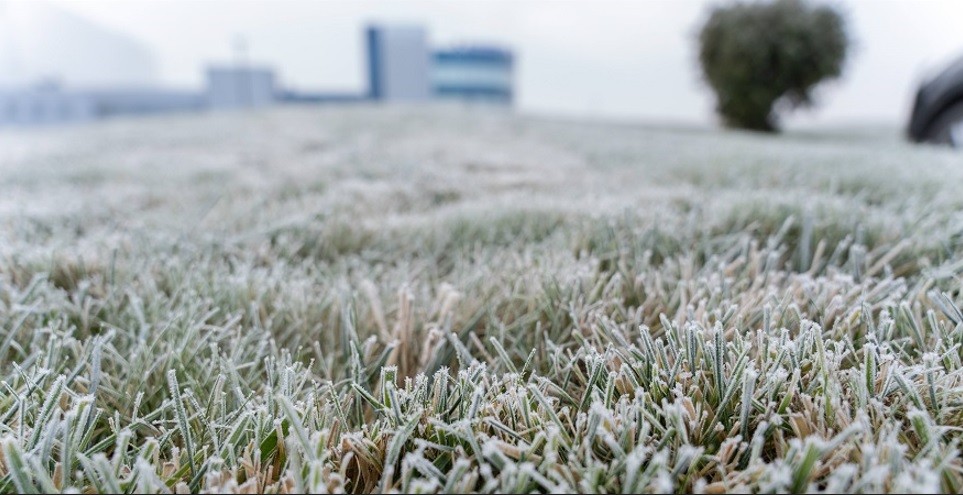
x,y
376,300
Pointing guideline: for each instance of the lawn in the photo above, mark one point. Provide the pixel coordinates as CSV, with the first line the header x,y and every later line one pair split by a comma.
x,y
425,300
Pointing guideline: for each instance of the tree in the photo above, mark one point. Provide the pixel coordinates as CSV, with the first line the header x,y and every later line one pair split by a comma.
x,y
760,54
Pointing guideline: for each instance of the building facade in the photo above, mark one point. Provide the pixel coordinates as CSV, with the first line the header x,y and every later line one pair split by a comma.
x,y
49,103
43,104
240,87
52,103
473,74
398,63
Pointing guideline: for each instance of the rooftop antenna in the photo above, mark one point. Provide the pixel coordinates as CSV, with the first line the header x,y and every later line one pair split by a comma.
x,y
245,85
240,50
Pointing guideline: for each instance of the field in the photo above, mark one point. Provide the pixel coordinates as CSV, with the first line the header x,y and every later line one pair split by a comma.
x,y
362,299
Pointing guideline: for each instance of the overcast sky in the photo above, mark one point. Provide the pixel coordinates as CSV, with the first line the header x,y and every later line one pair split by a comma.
x,y
623,59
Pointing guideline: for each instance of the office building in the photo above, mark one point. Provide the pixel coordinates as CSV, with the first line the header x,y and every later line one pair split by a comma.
x,y
398,63
473,74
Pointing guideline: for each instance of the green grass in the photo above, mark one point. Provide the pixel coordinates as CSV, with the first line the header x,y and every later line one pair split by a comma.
x,y
374,300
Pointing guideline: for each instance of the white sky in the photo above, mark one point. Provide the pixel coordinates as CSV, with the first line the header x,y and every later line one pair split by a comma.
x,y
622,59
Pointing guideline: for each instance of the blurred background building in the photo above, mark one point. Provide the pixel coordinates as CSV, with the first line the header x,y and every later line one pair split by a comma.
x,y
40,41
56,67
473,73
398,63
402,67
52,103
240,87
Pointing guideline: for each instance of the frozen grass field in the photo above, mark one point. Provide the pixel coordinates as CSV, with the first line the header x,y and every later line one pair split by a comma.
x,y
420,301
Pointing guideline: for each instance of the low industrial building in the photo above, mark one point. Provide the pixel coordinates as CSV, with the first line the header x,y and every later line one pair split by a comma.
x,y
50,103
233,87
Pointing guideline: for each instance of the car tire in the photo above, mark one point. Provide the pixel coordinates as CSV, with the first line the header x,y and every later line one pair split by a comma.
x,y
947,128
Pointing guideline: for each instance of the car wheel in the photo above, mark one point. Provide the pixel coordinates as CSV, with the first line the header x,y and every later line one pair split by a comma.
x,y
948,127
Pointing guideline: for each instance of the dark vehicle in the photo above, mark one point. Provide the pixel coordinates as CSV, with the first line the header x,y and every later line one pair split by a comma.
x,y
938,111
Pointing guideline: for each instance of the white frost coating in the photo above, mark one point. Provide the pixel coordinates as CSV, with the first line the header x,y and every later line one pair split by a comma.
x,y
493,303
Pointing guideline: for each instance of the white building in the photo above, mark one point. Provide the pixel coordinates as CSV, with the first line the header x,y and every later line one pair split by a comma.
x,y
398,63
240,87
49,103
39,41
58,67
52,103
43,104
